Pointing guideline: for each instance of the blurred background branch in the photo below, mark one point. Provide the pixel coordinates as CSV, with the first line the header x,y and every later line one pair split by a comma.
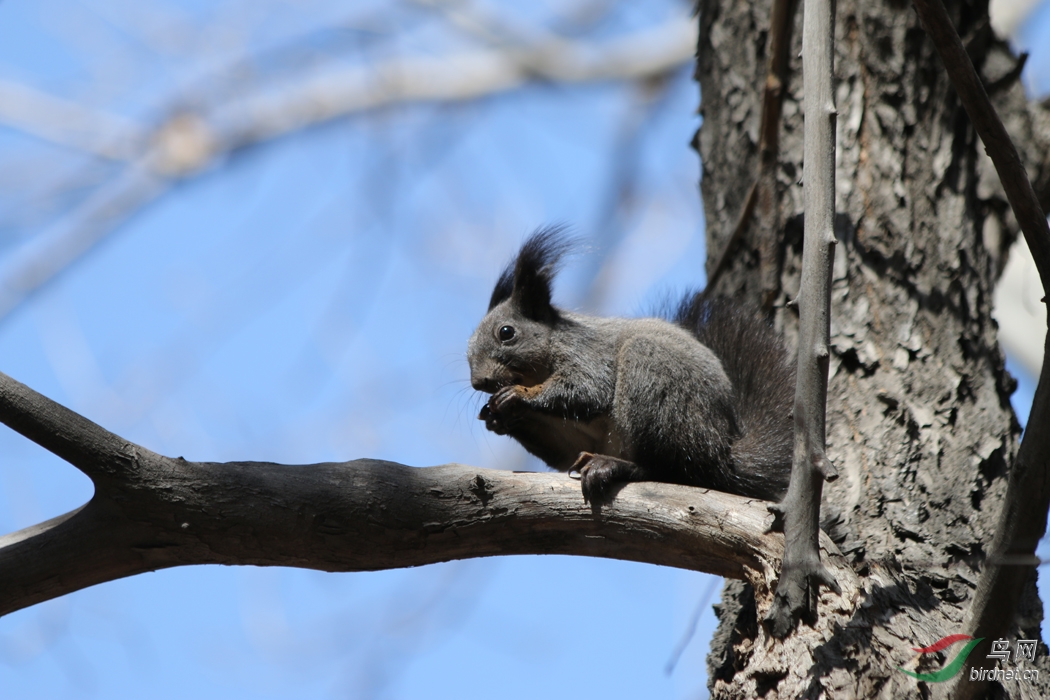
x,y
198,128
265,230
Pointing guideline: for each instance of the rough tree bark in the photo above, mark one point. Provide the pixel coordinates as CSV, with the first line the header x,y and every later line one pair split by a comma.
x,y
919,421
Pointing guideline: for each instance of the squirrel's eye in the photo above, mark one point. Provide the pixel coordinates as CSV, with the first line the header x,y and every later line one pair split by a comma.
x,y
505,333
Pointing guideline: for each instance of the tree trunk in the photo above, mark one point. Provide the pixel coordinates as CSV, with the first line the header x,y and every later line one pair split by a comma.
x,y
919,419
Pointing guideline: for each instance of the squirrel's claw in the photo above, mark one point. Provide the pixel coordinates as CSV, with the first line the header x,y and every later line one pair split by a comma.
x,y
505,399
492,420
499,412
595,476
599,473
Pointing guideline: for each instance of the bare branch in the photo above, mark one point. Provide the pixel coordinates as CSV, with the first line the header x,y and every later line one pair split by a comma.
x,y
1022,521
186,143
803,573
68,123
90,448
151,512
44,256
493,29
325,95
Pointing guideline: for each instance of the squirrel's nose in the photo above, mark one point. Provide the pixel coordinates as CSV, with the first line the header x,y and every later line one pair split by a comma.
x,y
486,384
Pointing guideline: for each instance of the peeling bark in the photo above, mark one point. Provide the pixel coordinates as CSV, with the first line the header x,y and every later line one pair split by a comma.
x,y
919,421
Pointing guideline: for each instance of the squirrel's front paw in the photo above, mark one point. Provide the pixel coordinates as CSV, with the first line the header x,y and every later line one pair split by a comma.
x,y
492,420
504,401
499,412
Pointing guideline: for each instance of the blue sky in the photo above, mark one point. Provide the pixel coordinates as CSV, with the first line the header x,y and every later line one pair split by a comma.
x,y
310,300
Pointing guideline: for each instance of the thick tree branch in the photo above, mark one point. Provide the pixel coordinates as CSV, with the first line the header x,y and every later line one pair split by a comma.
x,y
92,449
151,512
1022,521
797,590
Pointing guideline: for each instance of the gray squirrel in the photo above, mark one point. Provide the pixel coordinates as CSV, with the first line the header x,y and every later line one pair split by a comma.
x,y
703,399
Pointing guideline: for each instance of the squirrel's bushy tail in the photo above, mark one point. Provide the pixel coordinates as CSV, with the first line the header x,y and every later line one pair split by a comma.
x,y
754,358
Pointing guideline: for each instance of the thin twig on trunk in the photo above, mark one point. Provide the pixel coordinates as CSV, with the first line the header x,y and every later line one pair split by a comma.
x,y
803,573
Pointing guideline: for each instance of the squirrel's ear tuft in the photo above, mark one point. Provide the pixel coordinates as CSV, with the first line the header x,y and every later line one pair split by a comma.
x,y
527,280
534,272
504,286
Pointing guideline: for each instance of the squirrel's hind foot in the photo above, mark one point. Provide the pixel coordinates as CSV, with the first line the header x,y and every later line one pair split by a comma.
x,y
598,474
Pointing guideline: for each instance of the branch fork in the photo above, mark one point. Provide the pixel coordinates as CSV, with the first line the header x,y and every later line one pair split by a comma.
x,y
152,512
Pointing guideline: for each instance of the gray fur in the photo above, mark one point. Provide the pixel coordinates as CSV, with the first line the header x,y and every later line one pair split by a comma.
x,y
644,392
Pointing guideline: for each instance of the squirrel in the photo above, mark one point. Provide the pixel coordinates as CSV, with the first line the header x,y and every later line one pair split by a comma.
x,y
702,399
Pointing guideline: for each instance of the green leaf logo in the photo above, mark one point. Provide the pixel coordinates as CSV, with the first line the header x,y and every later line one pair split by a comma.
x,y
954,666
